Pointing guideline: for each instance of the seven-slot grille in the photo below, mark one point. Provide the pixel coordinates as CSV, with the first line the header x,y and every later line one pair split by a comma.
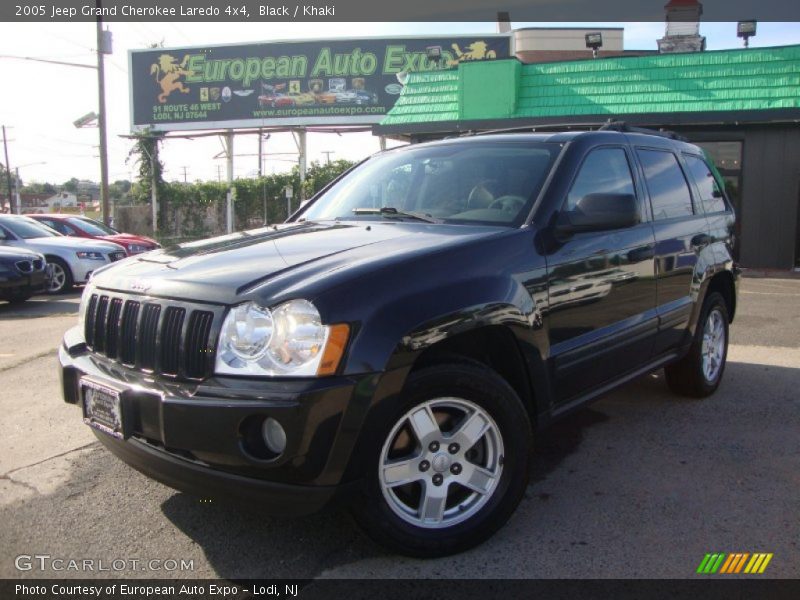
x,y
151,335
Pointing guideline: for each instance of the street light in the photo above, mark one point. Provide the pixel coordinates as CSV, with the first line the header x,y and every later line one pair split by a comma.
x,y
594,40
746,30
434,54
16,182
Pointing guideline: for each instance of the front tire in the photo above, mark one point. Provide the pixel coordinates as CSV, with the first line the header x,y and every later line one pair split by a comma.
x,y
61,280
699,373
451,465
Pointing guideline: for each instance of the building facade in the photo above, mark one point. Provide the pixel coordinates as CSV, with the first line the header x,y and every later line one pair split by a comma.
x,y
741,106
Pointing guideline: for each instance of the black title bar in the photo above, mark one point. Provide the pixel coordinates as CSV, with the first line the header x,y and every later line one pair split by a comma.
x,y
370,10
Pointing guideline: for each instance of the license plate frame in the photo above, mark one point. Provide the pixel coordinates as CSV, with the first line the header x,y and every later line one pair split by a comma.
x,y
102,407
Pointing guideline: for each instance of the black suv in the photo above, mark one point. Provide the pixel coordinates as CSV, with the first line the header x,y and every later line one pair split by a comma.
x,y
398,340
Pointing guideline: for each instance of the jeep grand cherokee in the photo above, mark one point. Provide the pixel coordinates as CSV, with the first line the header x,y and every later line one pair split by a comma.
x,y
395,344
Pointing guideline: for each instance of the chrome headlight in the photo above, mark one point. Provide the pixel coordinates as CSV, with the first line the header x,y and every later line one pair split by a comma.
x,y
289,340
137,248
90,255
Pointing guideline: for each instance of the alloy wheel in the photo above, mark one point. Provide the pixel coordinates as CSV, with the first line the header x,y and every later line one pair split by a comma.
x,y
58,278
441,463
713,348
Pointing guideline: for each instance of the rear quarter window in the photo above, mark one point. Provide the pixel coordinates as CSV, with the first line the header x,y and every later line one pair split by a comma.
x,y
669,191
711,197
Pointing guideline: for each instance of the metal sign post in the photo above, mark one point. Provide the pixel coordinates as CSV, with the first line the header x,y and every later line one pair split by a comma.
x,y
229,162
289,193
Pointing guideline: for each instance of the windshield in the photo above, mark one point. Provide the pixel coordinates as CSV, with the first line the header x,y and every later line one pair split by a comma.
x,y
28,228
91,226
484,182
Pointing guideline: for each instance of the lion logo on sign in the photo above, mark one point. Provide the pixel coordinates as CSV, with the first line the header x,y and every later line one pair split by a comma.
x,y
168,72
475,51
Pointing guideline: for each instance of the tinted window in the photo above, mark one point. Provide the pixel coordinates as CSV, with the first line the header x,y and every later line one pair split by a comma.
x,y
710,194
459,183
57,225
28,228
91,226
669,192
605,171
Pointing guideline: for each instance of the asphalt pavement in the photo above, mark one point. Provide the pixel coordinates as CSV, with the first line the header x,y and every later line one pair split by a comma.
x,y
640,484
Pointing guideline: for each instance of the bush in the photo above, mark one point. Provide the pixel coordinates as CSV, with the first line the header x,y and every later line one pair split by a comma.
x,y
197,210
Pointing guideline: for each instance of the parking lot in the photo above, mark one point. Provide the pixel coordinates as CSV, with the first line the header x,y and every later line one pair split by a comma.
x,y
640,484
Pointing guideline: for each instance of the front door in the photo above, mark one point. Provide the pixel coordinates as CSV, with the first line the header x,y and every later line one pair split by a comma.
x,y
602,294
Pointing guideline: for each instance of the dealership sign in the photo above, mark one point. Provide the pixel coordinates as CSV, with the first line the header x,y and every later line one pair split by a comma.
x,y
339,82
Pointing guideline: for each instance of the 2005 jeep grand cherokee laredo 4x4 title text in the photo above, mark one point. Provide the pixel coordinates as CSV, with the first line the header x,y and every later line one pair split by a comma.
x,y
396,342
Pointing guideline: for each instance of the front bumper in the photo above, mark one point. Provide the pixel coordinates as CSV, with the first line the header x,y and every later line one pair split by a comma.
x,y
29,283
195,437
82,268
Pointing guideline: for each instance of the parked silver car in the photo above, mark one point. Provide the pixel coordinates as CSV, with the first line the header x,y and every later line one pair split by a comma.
x,y
71,260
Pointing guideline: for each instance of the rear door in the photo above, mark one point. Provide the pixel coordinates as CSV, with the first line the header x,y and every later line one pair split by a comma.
x,y
681,233
601,317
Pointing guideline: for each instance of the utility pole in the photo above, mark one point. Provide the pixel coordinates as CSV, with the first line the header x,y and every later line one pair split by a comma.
x,y
219,173
185,180
154,185
327,154
260,153
8,174
16,190
101,91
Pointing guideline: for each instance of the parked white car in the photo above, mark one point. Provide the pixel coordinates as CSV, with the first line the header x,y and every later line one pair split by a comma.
x,y
71,260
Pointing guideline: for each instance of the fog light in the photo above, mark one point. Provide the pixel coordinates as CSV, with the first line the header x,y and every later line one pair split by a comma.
x,y
274,435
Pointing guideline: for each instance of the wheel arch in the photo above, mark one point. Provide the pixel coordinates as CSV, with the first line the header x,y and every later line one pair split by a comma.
x,y
724,283
493,346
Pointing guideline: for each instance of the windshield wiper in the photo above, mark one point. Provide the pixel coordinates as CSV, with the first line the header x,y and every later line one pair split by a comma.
x,y
390,212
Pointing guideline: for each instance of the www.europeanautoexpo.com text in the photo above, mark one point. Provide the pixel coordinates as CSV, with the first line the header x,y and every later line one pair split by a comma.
x,y
130,10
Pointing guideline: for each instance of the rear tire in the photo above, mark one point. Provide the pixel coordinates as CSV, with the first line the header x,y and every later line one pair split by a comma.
x,y
17,298
62,280
698,374
450,466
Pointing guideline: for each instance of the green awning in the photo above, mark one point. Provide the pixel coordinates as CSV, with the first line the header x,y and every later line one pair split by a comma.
x,y
725,80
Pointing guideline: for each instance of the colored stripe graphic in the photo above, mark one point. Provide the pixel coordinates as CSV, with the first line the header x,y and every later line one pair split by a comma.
x,y
764,564
711,563
728,563
734,563
703,563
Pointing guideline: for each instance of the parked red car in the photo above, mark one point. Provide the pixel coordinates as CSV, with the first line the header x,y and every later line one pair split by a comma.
x,y
77,226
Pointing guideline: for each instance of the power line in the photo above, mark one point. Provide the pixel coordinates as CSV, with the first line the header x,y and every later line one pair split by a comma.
x,y
53,62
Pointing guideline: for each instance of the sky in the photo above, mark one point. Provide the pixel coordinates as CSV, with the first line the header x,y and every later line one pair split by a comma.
x,y
40,101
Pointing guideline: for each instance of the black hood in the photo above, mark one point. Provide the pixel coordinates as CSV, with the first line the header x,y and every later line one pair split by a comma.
x,y
224,268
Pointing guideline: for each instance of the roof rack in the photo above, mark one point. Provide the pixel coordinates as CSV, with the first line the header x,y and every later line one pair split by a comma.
x,y
539,127
623,127
609,125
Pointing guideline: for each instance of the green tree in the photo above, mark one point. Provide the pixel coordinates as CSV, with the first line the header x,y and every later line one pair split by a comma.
x,y
318,176
145,153
119,189
71,185
39,188
4,181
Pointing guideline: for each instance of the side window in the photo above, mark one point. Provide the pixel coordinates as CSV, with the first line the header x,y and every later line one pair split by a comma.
x,y
605,171
710,194
57,225
669,192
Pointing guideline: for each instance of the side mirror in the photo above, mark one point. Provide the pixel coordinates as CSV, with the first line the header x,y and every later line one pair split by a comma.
x,y
600,212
